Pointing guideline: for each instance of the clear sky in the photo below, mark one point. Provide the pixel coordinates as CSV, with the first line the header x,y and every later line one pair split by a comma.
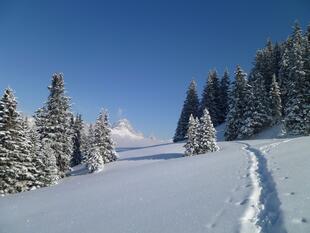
x,y
135,58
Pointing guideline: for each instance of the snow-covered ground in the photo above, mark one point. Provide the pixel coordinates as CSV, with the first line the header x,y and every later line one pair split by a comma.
x,y
248,186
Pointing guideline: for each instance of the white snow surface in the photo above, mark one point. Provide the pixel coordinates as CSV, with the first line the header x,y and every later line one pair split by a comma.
x,y
251,186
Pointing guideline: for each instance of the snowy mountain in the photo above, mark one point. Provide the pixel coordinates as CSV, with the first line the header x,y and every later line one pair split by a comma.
x,y
124,135
124,129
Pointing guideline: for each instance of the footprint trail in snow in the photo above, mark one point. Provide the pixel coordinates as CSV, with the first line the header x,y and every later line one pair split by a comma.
x,y
263,214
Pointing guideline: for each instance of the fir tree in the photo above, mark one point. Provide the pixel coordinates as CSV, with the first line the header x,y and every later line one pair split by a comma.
x,y
102,138
248,124
236,107
47,154
87,142
53,122
190,106
206,134
277,56
94,161
284,73
224,95
192,144
16,167
306,86
211,98
257,112
275,101
297,108
77,140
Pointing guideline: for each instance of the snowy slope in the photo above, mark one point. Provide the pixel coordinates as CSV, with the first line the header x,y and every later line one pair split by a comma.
x,y
248,186
288,161
125,136
153,189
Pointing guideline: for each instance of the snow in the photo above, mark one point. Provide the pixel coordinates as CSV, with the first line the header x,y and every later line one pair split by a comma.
x,y
289,163
126,136
247,186
153,189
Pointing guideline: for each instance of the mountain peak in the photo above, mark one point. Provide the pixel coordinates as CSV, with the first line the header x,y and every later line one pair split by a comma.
x,y
123,128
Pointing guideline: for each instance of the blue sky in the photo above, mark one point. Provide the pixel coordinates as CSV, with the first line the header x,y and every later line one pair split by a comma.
x,y
133,57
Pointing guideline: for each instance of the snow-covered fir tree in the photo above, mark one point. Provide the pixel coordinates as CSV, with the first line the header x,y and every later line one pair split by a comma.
x,y
190,106
224,95
211,98
206,134
267,63
306,87
297,110
94,162
284,73
102,138
192,143
236,105
275,101
34,152
277,56
248,124
16,167
77,130
50,169
54,123
87,138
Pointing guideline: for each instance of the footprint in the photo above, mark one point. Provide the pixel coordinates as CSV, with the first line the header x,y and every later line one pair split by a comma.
x,y
229,200
212,225
242,202
289,194
299,220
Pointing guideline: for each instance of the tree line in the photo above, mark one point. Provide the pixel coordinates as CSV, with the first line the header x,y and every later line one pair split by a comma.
x,y
276,91
38,155
214,98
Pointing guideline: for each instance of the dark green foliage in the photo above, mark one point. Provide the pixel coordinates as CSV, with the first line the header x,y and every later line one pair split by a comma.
x,y
223,100
211,98
190,106
77,128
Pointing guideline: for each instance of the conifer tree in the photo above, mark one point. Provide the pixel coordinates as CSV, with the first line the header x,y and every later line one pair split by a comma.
x,y
54,123
190,106
275,101
224,96
236,107
277,55
211,98
77,140
250,113
16,168
206,134
297,107
34,152
284,72
50,169
192,144
306,86
94,161
87,142
102,138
